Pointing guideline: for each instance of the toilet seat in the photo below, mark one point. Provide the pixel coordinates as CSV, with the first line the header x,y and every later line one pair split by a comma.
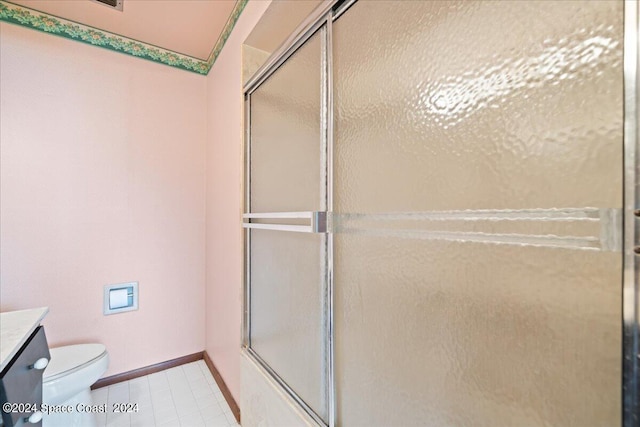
x,y
68,359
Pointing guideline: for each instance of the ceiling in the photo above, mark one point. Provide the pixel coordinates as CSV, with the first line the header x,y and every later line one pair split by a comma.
x,y
278,22
189,27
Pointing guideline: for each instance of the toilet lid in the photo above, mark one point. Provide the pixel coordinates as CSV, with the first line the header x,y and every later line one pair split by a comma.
x,y
72,357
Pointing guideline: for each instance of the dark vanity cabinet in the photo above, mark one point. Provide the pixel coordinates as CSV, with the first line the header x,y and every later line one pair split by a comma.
x,y
21,382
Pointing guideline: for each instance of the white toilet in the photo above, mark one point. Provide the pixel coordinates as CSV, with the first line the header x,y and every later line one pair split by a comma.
x,y
67,381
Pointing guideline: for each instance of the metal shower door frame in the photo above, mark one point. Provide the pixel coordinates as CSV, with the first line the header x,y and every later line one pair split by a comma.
x,y
323,16
631,263
319,21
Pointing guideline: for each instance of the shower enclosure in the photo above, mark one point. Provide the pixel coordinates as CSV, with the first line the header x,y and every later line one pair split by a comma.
x,y
440,214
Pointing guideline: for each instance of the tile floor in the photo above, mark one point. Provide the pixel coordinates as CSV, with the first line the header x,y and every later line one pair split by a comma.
x,y
184,396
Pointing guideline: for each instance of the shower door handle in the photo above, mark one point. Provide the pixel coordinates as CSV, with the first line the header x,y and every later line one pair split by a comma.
x,y
318,221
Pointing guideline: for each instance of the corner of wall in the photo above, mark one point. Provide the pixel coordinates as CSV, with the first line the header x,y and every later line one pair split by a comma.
x,y
223,286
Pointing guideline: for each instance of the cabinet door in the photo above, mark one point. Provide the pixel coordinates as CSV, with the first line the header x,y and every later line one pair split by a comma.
x,y
21,382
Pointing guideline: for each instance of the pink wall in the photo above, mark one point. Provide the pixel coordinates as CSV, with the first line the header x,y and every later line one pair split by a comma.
x,y
224,177
102,180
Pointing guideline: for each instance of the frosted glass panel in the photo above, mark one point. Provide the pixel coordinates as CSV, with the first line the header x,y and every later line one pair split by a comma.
x,y
287,303
478,189
285,136
467,334
287,269
472,105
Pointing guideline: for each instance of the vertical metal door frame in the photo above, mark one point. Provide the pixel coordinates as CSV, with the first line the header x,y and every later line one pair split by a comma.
x,y
630,290
246,289
328,82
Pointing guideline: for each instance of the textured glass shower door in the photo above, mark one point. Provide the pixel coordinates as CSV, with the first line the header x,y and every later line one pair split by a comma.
x,y
442,244
286,240
478,153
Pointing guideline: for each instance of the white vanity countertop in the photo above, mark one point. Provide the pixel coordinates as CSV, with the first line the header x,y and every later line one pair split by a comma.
x,y
15,328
